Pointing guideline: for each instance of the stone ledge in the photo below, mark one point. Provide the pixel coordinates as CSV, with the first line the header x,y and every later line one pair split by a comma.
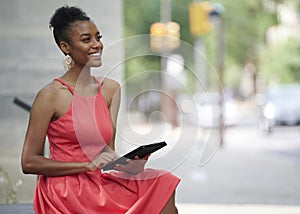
x,y
16,208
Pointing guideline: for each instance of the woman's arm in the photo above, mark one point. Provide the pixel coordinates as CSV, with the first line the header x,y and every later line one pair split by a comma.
x,y
33,161
113,93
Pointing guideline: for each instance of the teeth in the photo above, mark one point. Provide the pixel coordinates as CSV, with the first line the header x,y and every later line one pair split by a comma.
x,y
95,54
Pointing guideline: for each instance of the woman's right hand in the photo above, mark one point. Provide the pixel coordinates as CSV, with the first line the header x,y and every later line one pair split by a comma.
x,y
103,159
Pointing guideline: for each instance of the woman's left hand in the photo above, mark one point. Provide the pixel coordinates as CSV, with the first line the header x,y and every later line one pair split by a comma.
x,y
133,166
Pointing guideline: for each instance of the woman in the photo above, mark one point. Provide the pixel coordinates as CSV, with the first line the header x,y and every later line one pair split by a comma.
x,y
80,125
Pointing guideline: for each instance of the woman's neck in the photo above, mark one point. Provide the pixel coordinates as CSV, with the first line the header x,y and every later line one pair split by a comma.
x,y
82,81
78,75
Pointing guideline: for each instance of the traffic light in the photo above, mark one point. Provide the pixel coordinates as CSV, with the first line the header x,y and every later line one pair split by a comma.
x,y
164,36
173,33
199,14
158,31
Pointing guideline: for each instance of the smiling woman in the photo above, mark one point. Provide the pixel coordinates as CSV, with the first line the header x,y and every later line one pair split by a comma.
x,y
78,37
86,47
78,114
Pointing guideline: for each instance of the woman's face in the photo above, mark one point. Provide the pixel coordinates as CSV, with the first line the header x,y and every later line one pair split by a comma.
x,y
85,44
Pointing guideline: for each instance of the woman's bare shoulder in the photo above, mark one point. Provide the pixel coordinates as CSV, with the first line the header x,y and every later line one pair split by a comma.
x,y
109,84
108,80
110,89
50,92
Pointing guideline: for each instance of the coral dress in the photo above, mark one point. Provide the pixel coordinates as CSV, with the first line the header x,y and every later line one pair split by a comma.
x,y
74,138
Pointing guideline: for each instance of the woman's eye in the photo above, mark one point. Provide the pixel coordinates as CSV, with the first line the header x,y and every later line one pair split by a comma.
x,y
86,39
99,37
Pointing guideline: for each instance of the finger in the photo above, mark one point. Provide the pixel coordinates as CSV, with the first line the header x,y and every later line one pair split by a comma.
x,y
115,156
112,158
105,159
130,161
146,157
121,167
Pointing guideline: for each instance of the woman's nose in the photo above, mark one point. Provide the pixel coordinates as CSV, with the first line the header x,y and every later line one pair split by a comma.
x,y
97,44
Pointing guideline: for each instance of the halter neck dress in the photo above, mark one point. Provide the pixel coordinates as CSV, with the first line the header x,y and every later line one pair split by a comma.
x,y
95,191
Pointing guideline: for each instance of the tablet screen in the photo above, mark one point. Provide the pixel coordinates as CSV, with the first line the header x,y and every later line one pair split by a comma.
x,y
141,151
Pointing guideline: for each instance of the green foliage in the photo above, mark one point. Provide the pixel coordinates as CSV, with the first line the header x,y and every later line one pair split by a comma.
x,y
8,189
180,14
281,63
245,25
139,15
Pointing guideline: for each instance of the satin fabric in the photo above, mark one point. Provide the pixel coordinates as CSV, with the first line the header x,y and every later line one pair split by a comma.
x,y
95,192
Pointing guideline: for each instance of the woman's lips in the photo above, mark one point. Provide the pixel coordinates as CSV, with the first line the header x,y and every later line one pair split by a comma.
x,y
98,54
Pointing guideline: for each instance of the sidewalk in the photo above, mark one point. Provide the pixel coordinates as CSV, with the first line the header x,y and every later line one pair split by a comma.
x,y
187,209
236,209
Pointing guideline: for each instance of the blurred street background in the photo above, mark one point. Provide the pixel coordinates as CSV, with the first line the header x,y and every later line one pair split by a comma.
x,y
219,81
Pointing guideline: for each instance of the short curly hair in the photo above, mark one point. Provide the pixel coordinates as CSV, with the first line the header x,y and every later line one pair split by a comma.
x,y
62,21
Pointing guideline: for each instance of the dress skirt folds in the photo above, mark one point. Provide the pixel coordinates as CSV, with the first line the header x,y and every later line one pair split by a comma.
x,y
79,136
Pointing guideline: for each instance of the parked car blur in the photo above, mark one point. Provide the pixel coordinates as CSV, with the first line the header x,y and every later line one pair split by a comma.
x,y
281,106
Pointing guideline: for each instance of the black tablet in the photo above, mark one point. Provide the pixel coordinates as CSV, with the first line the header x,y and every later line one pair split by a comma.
x,y
141,151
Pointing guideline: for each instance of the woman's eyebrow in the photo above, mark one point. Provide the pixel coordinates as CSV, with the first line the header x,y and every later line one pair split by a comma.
x,y
85,34
88,34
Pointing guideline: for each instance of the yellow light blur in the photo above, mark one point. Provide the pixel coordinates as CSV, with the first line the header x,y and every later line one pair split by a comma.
x,y
158,29
199,18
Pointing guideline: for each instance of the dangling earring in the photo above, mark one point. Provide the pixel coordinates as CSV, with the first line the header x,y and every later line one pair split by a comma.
x,y
68,62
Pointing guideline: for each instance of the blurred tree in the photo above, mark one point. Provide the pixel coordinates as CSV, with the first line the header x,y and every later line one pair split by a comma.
x,y
281,63
246,23
139,16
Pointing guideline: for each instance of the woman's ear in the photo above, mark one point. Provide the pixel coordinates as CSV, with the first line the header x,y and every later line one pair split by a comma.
x,y
65,47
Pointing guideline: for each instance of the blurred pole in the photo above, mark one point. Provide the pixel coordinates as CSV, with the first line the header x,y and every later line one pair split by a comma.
x,y
219,25
166,104
200,24
165,11
200,63
201,14
165,17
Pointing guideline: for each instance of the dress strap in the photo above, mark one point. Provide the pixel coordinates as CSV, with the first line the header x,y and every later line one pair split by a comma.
x,y
65,84
99,83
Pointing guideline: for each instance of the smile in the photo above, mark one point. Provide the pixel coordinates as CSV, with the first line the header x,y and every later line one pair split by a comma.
x,y
98,54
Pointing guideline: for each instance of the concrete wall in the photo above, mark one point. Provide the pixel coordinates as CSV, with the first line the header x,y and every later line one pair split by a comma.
x,y
29,59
